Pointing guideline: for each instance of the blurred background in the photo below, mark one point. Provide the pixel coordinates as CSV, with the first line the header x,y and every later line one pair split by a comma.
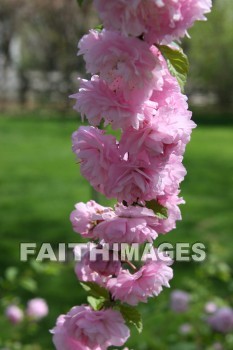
x,y
40,180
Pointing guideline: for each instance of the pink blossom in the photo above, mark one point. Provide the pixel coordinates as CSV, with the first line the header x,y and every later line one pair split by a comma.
x,y
157,20
97,101
83,270
172,123
121,15
170,88
167,131
121,178
96,153
222,320
14,314
174,18
170,202
131,224
103,267
185,328
37,308
144,139
86,216
61,338
141,178
85,329
134,211
116,177
210,307
134,180
96,267
128,65
172,174
146,282
179,301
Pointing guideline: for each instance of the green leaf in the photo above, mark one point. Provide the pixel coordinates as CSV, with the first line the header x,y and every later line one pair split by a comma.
x,y
99,27
80,2
177,63
159,210
11,273
95,303
29,284
95,290
131,316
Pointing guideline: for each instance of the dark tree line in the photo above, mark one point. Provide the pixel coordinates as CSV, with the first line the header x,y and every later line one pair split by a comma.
x,y
47,32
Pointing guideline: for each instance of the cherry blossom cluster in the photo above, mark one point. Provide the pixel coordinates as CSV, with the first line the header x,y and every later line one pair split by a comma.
x,y
132,90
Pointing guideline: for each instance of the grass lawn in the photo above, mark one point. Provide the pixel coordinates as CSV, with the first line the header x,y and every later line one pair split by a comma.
x,y
40,182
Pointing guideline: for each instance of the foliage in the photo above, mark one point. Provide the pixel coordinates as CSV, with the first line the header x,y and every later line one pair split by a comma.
x,y
211,60
177,63
132,316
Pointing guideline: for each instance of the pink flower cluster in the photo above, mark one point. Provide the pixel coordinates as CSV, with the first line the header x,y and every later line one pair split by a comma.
x,y
146,163
132,224
155,20
131,89
139,286
37,309
222,320
84,329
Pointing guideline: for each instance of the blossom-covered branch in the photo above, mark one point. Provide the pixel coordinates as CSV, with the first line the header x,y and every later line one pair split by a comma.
x,y
134,88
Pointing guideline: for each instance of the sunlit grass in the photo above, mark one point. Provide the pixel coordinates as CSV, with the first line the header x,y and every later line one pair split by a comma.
x,y
40,183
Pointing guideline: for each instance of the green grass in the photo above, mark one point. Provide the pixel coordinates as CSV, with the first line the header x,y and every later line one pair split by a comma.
x,y
207,188
40,183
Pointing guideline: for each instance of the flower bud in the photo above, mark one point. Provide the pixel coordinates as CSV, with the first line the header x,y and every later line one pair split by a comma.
x,y
37,308
179,301
14,314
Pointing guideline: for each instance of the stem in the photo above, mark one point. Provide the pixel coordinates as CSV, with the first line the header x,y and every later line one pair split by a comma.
x,y
130,264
